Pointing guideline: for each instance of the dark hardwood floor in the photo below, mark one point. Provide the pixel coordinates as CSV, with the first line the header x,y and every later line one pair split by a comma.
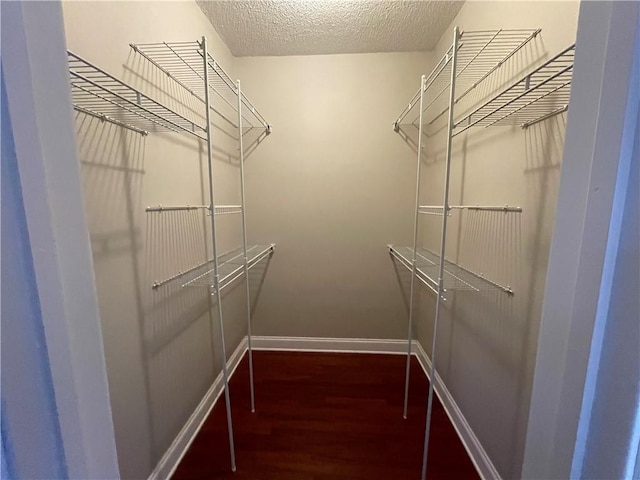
x,y
322,416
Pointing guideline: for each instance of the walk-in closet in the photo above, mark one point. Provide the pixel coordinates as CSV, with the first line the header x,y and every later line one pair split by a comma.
x,y
325,239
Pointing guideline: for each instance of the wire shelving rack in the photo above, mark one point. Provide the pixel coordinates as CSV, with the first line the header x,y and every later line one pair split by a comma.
x,y
538,95
100,94
471,58
230,268
456,277
182,61
478,55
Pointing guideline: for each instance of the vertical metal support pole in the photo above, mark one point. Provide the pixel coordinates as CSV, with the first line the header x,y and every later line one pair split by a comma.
x,y
216,285
413,259
244,247
445,206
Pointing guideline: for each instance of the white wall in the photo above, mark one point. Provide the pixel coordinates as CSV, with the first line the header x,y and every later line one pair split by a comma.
x,y
487,340
332,187
162,348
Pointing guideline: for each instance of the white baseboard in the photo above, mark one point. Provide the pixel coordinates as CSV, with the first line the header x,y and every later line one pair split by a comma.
x,y
316,344
170,460
172,457
478,455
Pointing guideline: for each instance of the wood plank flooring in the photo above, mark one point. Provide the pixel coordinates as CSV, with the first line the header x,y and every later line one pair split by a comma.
x,y
322,416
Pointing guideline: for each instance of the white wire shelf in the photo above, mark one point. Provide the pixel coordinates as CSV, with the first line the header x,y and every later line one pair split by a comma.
x,y
218,209
480,53
183,62
230,266
538,95
227,209
456,277
97,93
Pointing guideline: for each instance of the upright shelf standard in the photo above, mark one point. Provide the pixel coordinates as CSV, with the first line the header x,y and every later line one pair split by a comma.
x,y
101,95
470,60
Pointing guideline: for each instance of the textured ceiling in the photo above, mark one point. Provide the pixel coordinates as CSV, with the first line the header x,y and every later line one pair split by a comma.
x,y
316,27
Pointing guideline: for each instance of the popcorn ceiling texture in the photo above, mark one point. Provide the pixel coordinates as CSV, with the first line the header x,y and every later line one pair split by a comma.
x,y
313,27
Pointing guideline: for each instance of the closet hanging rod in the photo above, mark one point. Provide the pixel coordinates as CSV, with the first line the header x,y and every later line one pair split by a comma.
x,y
543,117
490,208
219,209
